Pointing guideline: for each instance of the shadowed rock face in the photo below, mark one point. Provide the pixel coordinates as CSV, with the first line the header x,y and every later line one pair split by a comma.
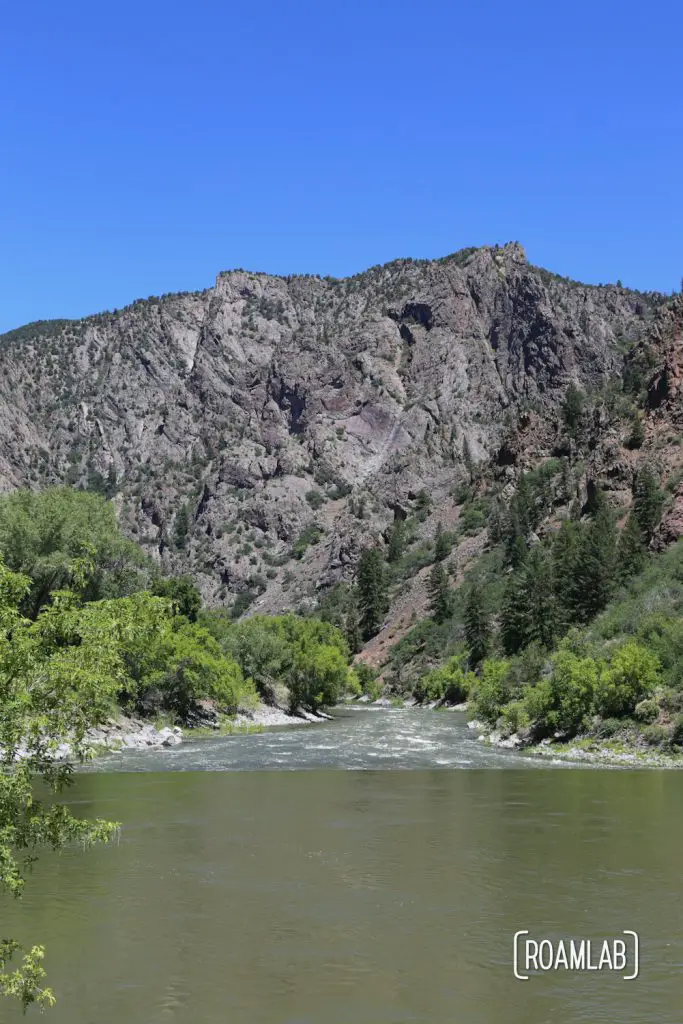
x,y
243,399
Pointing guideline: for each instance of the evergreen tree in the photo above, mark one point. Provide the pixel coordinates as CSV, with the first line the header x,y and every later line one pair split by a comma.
x,y
647,502
372,591
637,435
477,625
442,545
352,630
529,612
572,411
631,550
564,556
439,593
595,569
397,541
515,537
181,526
495,524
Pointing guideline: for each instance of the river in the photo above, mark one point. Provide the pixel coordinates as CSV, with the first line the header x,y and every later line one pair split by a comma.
x,y
372,870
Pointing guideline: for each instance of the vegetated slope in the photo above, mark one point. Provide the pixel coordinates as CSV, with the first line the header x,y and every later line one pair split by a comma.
x,y
260,433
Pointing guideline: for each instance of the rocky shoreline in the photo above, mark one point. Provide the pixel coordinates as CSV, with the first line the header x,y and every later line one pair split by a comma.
x,y
582,749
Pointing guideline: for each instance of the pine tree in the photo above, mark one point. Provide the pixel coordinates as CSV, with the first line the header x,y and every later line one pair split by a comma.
x,y
397,541
515,537
637,435
572,411
595,570
631,551
564,555
352,629
647,502
495,524
529,613
477,625
181,526
372,591
442,545
439,593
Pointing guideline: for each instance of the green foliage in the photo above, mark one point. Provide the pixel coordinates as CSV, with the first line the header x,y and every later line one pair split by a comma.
x,y
181,526
572,687
449,683
439,594
308,536
491,691
594,568
443,542
315,499
637,436
62,538
647,501
183,594
371,581
397,540
309,656
529,608
631,551
49,693
572,410
631,676
477,625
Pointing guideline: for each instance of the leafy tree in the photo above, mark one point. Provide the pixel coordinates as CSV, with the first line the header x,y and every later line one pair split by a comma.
x,y
439,593
647,501
571,688
45,701
631,677
491,691
64,538
371,581
182,592
477,625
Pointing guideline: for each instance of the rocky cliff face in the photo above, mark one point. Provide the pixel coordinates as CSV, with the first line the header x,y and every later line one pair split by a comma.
x,y
259,433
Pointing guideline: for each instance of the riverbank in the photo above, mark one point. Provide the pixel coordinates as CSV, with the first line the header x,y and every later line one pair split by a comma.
x,y
586,749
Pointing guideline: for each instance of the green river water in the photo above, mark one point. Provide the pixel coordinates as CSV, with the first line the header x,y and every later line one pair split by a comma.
x,y
372,870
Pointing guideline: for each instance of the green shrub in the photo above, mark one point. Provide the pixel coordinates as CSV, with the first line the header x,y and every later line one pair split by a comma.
x,y
677,731
631,676
491,690
315,499
646,711
572,685
516,716
655,735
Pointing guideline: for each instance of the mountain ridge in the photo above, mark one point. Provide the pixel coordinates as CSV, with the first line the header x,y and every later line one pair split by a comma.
x,y
241,428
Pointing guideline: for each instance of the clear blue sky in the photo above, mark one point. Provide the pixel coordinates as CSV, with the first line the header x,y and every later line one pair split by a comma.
x,y
145,146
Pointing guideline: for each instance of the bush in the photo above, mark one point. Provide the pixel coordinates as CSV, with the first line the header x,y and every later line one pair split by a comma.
x,y
646,711
315,499
572,685
516,716
677,732
629,679
655,735
491,691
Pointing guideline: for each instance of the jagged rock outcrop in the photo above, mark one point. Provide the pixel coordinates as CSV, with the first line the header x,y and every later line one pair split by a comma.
x,y
290,417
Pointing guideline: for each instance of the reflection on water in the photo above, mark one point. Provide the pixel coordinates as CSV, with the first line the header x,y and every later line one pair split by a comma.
x,y
359,897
